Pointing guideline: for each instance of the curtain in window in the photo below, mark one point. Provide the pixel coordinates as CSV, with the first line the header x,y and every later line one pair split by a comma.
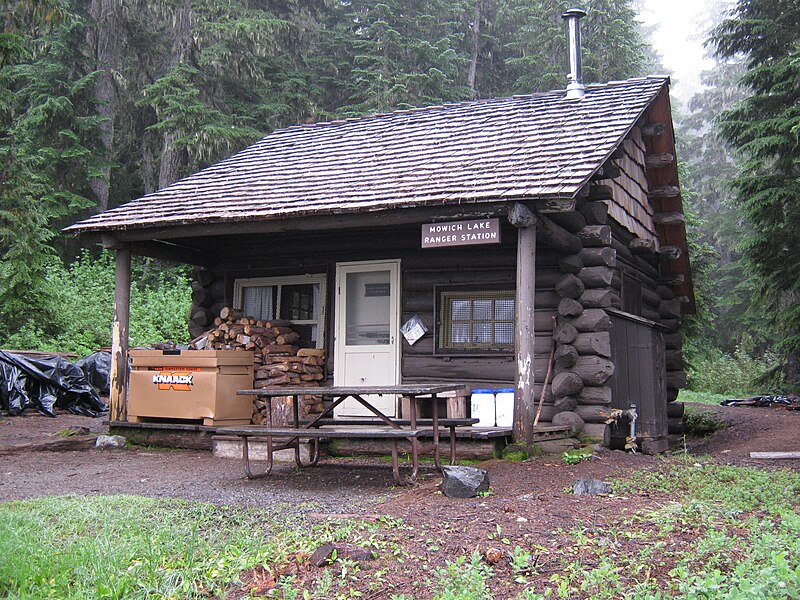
x,y
259,302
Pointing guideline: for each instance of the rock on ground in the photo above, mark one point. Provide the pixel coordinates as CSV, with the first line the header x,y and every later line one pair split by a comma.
x,y
590,487
464,482
110,441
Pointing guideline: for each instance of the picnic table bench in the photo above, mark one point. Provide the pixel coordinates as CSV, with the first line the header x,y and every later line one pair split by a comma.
x,y
425,425
380,426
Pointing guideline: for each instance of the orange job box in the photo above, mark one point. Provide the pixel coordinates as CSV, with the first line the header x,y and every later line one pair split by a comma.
x,y
190,385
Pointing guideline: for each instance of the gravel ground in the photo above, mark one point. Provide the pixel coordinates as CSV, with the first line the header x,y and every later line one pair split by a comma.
x,y
24,473
530,502
335,486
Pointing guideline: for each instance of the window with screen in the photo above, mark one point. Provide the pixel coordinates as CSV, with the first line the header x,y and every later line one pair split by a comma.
x,y
299,299
472,320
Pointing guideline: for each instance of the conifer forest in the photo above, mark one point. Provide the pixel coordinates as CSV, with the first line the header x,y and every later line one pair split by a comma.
x,y
103,101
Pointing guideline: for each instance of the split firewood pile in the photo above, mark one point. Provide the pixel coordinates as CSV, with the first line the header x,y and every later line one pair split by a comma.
x,y
278,359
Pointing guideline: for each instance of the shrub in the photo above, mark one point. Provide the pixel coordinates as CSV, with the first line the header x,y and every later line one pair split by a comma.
x,y
734,375
573,457
81,303
701,422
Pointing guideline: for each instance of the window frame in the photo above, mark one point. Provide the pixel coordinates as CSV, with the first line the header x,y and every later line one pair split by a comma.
x,y
631,293
308,279
440,350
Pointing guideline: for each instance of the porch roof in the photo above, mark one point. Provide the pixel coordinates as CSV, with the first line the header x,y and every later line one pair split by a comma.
x,y
541,146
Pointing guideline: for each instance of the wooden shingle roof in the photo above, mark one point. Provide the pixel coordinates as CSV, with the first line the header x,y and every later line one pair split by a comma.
x,y
524,147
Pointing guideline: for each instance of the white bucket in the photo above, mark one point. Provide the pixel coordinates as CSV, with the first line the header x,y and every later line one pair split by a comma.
x,y
504,407
482,406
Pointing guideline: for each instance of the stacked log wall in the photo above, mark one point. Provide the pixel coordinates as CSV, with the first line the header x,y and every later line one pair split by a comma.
x,y
587,286
208,298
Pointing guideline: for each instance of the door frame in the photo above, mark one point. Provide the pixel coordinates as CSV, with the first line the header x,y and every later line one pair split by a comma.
x,y
342,268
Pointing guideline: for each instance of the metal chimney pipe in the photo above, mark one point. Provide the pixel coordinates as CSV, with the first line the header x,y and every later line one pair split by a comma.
x,y
575,87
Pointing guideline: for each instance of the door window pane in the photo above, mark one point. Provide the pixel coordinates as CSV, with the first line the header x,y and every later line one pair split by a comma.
x,y
368,308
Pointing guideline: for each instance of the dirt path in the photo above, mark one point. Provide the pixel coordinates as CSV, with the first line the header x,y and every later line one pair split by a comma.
x,y
339,485
750,429
527,504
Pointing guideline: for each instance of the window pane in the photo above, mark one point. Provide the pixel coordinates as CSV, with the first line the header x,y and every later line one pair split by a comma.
x,y
299,302
259,302
459,333
482,333
504,310
482,310
504,333
462,310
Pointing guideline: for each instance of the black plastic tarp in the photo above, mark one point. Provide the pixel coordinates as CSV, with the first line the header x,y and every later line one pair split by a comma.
x,y
97,369
789,401
46,384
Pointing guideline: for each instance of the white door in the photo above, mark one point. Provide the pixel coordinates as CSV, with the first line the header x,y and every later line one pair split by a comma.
x,y
367,345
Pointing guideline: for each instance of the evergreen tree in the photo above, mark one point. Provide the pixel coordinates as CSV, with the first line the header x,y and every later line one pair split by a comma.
x,y
535,36
47,142
614,45
763,129
727,320
225,78
398,54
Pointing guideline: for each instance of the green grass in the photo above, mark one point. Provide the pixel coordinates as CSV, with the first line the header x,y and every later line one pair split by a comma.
x,y
712,531
131,547
701,397
727,533
577,455
515,456
733,488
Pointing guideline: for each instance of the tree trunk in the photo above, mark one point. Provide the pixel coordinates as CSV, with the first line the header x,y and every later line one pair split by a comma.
x,y
476,46
170,153
148,166
103,41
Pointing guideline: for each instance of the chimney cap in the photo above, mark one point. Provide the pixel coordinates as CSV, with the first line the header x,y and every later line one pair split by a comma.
x,y
573,12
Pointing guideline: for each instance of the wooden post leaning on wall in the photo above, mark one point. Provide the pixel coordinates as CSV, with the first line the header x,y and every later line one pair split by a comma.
x,y
525,221
118,396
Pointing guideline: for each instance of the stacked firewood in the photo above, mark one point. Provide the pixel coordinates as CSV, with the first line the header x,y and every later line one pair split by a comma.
x,y
232,331
301,369
278,360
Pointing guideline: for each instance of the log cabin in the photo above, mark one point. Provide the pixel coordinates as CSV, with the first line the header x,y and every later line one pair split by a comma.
x,y
538,240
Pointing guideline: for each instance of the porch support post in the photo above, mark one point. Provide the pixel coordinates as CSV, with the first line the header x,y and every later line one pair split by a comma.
x,y
524,399
118,410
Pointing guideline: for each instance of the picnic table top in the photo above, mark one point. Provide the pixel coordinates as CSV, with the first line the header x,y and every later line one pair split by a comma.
x,y
336,390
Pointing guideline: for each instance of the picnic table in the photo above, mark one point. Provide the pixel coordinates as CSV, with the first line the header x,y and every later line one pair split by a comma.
x,y
379,426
